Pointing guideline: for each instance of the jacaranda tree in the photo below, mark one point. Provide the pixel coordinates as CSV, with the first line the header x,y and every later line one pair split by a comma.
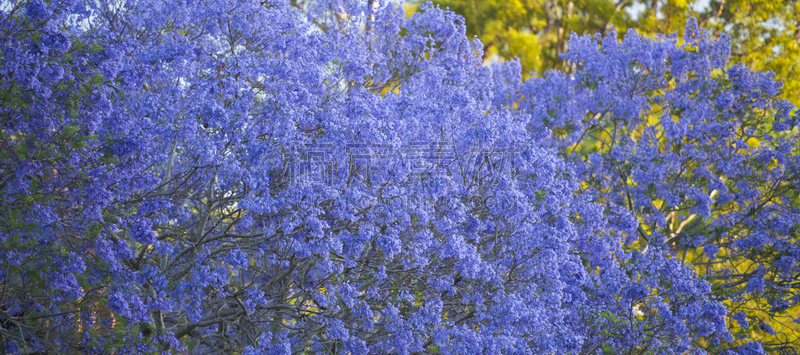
x,y
332,177
704,155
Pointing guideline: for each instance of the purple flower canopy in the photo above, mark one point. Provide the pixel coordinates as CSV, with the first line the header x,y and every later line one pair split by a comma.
x,y
333,176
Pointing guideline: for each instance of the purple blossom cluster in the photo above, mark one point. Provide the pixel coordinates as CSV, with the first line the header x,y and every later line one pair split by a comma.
x,y
700,153
279,177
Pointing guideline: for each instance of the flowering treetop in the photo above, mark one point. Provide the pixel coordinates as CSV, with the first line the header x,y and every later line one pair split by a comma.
x,y
286,177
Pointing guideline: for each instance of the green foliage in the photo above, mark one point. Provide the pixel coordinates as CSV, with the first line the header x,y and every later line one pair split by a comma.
x,y
536,31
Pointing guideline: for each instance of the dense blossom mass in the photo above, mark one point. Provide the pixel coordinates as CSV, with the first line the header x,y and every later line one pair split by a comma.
x,y
278,177
701,153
